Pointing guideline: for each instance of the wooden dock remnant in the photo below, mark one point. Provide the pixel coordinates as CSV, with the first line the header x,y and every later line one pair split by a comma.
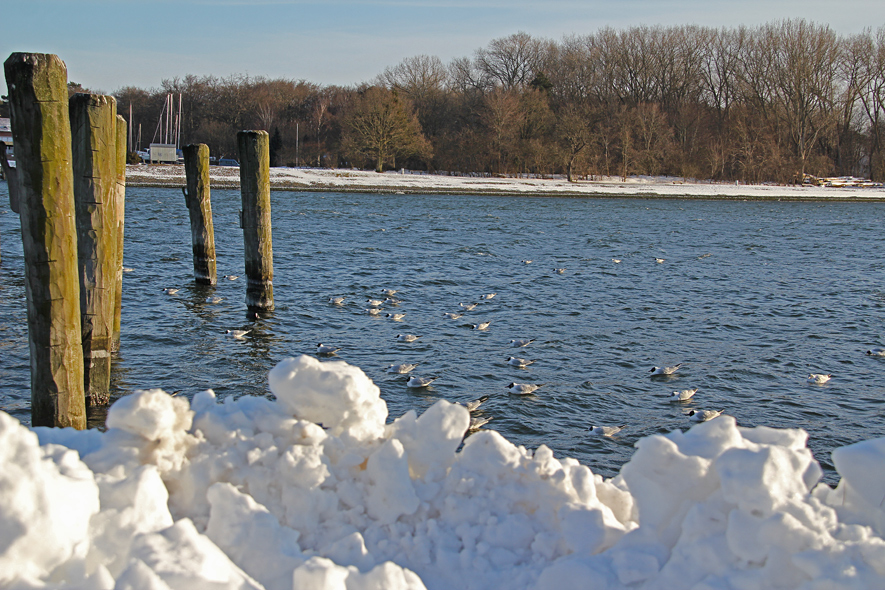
x,y
197,199
38,99
120,208
254,151
94,139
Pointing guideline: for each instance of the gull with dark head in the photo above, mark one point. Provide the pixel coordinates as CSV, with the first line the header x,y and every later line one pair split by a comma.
x,y
518,362
523,388
406,337
819,378
606,430
327,350
664,370
681,396
521,342
703,415
417,382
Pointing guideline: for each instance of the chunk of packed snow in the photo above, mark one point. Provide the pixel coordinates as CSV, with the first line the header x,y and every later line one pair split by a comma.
x,y
253,493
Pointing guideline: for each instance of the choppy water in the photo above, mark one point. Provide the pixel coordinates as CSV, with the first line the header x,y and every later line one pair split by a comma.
x,y
752,297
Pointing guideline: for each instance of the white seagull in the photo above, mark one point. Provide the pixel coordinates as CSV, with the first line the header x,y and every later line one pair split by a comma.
x,y
231,277
559,271
323,349
388,292
474,404
665,370
488,296
336,300
374,302
703,415
373,311
523,388
526,261
478,422
452,315
819,378
416,382
128,269
395,316
517,362
393,300
606,430
876,352
521,342
170,291
238,334
468,306
482,325
406,337
660,260
402,369
616,260
681,396
214,299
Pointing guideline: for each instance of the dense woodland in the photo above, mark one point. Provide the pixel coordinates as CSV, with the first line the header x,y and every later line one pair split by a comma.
x,y
752,104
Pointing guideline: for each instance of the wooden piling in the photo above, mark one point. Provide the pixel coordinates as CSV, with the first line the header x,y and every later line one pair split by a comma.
x,y
120,207
196,197
38,99
94,139
11,176
254,152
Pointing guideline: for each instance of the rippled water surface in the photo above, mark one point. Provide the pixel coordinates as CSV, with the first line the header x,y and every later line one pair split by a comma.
x,y
751,297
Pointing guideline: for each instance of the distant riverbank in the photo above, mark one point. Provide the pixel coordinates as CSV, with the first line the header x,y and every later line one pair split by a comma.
x,y
341,180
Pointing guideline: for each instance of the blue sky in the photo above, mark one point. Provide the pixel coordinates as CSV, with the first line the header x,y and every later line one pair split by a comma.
x,y
109,44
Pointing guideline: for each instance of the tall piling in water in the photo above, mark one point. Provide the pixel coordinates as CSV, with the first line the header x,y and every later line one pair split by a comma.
x,y
199,205
120,207
38,99
94,139
254,151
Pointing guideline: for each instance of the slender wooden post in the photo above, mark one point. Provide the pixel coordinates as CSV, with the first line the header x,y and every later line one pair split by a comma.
x,y
196,197
11,176
94,139
254,151
38,99
120,208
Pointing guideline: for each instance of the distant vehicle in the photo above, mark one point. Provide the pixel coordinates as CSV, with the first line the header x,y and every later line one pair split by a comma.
x,y
228,162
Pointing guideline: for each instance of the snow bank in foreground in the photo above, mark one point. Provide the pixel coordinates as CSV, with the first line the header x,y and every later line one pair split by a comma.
x,y
253,493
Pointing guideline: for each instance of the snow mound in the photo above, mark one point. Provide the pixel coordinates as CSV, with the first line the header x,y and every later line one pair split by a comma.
x,y
254,493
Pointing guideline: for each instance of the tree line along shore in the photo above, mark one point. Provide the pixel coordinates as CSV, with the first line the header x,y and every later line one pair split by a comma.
x,y
771,103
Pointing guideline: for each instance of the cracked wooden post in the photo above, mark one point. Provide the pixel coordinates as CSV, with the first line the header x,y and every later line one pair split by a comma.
x,y
196,197
41,129
120,208
254,151
94,142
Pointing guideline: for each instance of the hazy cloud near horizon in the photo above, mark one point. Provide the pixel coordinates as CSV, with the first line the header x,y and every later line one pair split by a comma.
x,y
107,44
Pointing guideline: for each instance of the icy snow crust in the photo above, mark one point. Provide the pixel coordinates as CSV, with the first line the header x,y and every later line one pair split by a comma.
x,y
313,490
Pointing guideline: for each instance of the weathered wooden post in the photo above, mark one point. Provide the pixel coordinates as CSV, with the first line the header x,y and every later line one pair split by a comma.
x,y
94,140
120,207
41,129
196,197
11,176
254,151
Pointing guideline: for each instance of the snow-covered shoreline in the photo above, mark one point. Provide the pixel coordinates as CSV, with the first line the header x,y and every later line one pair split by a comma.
x,y
340,180
252,493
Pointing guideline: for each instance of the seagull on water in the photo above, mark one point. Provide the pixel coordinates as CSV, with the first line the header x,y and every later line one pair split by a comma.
x,y
388,292
703,415
373,311
374,302
214,299
406,337
474,404
517,362
468,306
170,291
395,316
323,349
238,334
876,352
402,369
665,370
336,300
616,260
681,396
526,261
819,378
482,325
523,388
452,315
231,277
128,269
559,271
478,422
660,260
606,430
521,342
416,382
393,300
488,296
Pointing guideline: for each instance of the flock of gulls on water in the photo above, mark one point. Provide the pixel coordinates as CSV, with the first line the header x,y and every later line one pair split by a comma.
x,y
374,307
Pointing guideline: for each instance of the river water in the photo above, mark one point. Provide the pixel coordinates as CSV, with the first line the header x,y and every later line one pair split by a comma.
x,y
751,297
